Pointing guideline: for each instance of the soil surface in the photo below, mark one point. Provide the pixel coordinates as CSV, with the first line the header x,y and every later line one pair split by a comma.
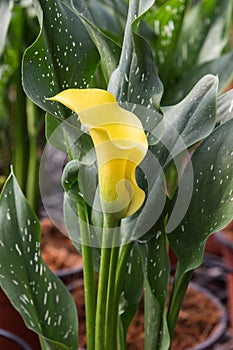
x,y
59,253
193,326
57,250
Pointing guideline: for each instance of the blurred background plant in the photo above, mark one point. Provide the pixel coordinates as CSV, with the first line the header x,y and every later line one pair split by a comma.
x,y
20,119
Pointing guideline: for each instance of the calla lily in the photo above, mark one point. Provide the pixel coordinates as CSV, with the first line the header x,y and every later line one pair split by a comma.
x,y
120,145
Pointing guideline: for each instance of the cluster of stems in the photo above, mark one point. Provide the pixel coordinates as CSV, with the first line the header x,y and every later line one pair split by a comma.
x,y
102,298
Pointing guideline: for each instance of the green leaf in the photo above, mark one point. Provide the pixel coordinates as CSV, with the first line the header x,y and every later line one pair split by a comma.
x,y
221,67
6,13
109,16
192,119
156,271
211,205
40,297
136,80
108,49
209,22
131,290
225,107
72,225
63,56
80,182
166,22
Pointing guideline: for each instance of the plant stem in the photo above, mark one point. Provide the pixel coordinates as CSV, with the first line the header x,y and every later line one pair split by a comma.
x,y
42,343
89,278
109,222
33,123
20,151
180,286
118,288
112,303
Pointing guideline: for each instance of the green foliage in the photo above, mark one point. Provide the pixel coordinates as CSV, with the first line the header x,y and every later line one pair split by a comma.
x,y
145,52
189,41
41,298
136,80
211,205
63,54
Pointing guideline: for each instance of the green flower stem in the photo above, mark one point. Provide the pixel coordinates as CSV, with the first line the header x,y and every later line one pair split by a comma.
x,y
180,286
19,129
109,222
32,175
112,303
118,288
32,180
89,278
42,343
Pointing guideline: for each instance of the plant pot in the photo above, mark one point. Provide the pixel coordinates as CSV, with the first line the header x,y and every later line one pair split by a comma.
x,y
11,321
209,333
11,341
212,246
225,237
60,255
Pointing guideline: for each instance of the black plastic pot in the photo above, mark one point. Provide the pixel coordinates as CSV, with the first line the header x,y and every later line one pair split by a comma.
x,y
11,341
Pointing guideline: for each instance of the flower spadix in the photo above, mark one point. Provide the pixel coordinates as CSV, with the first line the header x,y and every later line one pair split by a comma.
x,y
120,144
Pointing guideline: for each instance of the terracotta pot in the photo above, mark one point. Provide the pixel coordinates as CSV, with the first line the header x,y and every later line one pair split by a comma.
x,y
225,237
212,246
11,321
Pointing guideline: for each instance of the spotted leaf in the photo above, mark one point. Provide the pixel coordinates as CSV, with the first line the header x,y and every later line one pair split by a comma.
x,y
131,290
101,21
156,270
136,80
225,107
211,205
63,56
40,297
189,121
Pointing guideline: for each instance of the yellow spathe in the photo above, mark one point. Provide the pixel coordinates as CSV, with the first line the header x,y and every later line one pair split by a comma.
x,y
120,144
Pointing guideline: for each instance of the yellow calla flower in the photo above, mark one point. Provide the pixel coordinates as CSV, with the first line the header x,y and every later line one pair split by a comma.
x,y
120,145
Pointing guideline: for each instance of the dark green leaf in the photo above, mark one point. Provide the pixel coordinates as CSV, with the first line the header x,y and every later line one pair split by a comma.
x,y
225,107
62,57
109,50
40,297
192,119
136,79
221,67
156,270
132,289
211,205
